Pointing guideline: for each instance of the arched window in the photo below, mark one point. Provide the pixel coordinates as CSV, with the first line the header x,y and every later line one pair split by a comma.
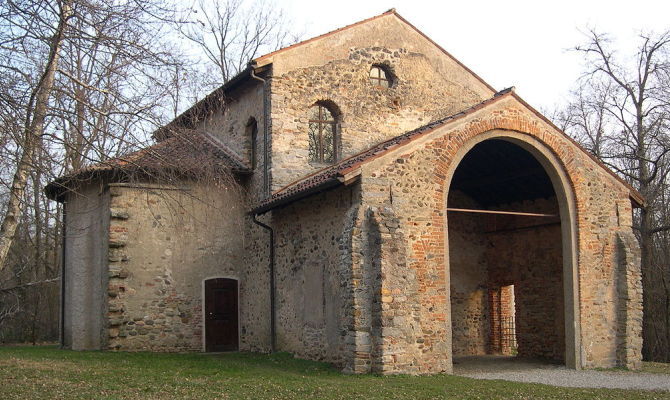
x,y
252,133
380,76
322,134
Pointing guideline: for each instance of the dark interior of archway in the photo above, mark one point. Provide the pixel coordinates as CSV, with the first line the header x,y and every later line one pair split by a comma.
x,y
498,172
505,269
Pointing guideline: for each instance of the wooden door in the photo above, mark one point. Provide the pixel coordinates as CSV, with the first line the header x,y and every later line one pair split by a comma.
x,y
221,325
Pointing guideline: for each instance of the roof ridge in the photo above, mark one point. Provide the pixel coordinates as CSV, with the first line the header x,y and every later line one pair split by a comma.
x,y
302,42
391,11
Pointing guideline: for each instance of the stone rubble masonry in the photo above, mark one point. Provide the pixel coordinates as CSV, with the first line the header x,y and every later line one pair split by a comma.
x,y
532,261
163,241
366,275
484,265
419,95
629,291
470,309
311,282
412,181
229,125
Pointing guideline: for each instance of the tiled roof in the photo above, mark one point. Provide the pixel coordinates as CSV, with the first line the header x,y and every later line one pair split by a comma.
x,y
187,154
329,176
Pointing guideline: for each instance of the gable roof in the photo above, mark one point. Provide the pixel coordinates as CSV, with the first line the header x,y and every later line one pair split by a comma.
x,y
259,61
187,154
330,176
337,174
216,97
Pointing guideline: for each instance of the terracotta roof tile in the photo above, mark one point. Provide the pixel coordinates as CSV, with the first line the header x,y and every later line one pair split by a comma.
x,y
329,176
189,153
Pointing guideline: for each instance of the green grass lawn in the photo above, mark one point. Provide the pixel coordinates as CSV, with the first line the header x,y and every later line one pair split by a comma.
x,y
50,373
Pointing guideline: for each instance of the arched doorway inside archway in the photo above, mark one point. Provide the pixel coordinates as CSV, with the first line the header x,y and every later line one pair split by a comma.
x,y
505,256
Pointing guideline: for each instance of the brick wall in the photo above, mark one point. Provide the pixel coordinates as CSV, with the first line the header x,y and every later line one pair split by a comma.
x,y
412,180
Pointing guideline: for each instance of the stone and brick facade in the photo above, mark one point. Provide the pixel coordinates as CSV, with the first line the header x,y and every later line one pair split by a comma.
x,y
371,271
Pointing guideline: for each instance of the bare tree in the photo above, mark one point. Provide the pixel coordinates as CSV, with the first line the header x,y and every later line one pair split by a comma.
x,y
38,102
621,114
96,86
80,81
83,81
232,32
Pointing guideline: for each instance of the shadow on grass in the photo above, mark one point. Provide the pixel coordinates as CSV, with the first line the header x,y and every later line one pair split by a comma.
x,y
232,361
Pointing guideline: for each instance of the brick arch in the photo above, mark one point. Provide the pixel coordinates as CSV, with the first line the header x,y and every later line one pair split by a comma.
x,y
555,157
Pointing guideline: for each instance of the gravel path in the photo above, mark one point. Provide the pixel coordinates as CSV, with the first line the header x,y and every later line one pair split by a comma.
x,y
511,369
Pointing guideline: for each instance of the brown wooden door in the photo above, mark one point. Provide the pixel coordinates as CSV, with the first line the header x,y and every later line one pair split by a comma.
x,y
221,315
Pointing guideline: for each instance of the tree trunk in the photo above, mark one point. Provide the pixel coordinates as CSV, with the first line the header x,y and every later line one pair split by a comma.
x,y
34,128
650,333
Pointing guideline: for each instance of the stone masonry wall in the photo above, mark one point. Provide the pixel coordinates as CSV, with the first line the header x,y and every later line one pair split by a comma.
x,y
483,264
85,268
255,279
412,180
162,244
531,259
310,282
470,313
419,95
229,124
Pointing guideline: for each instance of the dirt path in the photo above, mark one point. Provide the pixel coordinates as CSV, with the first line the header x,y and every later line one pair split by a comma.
x,y
511,369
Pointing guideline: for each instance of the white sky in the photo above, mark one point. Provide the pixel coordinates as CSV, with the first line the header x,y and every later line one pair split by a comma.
x,y
507,43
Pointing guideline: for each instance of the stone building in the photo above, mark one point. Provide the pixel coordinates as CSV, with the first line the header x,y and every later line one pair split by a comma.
x,y
361,198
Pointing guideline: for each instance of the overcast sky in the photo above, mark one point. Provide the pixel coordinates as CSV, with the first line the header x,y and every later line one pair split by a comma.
x,y
508,43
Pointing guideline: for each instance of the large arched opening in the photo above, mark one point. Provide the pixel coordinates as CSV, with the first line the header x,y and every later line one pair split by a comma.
x,y
511,240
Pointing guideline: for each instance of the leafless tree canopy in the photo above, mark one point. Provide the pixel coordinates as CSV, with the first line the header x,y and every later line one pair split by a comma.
x,y
621,113
231,32
82,82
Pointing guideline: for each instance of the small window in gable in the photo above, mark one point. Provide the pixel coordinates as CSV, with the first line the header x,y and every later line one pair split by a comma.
x,y
380,76
322,134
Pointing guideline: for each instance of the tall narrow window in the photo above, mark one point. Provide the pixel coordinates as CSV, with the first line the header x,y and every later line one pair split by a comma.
x,y
252,133
322,134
